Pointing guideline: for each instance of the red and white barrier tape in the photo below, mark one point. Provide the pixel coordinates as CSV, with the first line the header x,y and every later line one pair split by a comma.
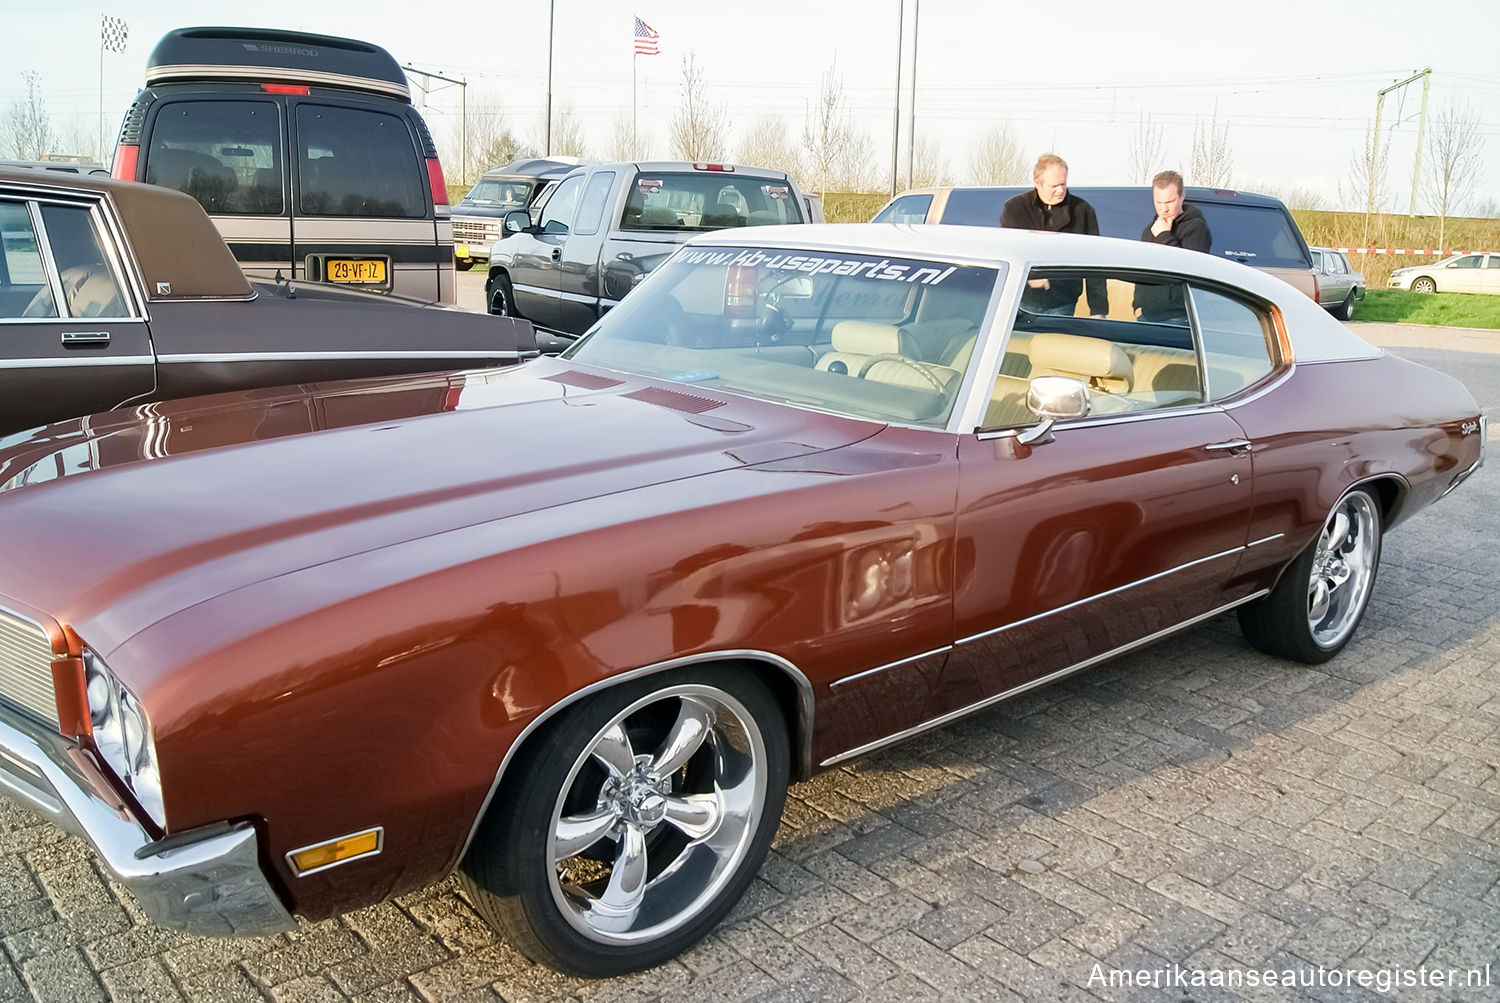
x,y
1401,250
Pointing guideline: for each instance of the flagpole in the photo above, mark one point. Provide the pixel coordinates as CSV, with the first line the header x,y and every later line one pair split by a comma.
x,y
634,143
101,90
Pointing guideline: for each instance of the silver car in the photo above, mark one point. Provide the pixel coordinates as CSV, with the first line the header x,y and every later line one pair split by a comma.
x,y
1462,273
1340,287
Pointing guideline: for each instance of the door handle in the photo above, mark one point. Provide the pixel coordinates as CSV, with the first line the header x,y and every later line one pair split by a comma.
x,y
1232,447
71,338
557,254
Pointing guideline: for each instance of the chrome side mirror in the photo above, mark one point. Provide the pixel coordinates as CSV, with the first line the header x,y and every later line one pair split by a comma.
x,y
1053,398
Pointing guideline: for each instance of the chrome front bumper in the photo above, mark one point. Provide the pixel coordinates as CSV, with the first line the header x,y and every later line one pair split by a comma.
x,y
206,882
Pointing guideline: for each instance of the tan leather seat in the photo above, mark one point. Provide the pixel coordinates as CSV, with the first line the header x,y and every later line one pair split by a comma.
x,y
856,343
1103,365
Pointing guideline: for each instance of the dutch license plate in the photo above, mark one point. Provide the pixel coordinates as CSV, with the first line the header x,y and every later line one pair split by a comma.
x,y
362,272
460,250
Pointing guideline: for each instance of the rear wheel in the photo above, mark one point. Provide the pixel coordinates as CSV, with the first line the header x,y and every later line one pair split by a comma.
x,y
1423,285
1346,309
1312,612
636,820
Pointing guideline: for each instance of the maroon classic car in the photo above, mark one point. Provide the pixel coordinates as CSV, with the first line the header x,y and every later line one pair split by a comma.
x,y
573,626
115,293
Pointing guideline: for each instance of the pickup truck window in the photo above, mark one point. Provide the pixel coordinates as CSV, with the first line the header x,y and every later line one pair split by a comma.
x,y
666,200
558,215
591,209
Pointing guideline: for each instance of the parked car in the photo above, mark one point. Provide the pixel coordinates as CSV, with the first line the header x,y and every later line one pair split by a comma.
x,y
521,184
60,166
1461,273
573,626
116,293
1254,229
305,151
1340,287
606,226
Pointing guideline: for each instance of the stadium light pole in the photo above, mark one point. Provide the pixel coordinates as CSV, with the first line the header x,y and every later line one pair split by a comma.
x,y
896,106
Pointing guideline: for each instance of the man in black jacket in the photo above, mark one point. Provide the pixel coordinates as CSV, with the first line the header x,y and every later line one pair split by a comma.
x,y
1052,207
1175,224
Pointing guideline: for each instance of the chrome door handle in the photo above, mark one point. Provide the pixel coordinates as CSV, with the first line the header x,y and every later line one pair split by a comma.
x,y
1232,446
557,254
71,338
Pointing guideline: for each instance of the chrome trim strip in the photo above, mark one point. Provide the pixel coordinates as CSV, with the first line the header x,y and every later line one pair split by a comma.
x,y
804,712
1101,595
1484,432
318,356
890,665
379,831
1269,539
82,360
191,71
954,715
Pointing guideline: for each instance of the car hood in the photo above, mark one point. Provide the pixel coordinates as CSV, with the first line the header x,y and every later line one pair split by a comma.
x,y
113,522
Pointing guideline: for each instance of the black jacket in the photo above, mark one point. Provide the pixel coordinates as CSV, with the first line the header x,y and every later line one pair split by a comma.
x,y
1072,215
1164,303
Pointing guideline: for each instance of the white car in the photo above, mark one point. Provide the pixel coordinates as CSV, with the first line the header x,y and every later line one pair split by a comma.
x,y
1462,273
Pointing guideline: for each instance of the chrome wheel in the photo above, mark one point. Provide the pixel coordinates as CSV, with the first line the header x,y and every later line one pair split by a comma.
x,y
656,814
1423,285
1343,570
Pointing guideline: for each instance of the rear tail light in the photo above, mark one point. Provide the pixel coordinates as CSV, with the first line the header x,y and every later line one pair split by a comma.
x,y
126,158
1317,293
435,178
739,293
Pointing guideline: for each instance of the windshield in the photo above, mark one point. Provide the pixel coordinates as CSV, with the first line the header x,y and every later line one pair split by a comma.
x,y
863,335
500,193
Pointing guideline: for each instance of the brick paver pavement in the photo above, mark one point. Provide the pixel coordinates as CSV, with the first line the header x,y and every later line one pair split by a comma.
x,y
1192,809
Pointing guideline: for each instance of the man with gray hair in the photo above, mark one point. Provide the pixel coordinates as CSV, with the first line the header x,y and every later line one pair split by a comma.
x,y
1052,207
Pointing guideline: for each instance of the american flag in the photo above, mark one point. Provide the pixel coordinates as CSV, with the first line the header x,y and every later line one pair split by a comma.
x,y
112,33
646,39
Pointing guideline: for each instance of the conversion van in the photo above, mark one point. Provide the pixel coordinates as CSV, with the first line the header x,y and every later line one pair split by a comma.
x,y
306,152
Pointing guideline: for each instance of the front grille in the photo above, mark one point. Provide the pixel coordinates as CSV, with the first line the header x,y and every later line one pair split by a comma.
x,y
26,667
472,231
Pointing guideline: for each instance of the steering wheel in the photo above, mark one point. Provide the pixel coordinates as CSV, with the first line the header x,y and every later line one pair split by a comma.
x,y
927,374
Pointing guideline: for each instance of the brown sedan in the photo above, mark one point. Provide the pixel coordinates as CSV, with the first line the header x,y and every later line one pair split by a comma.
x,y
114,293
573,626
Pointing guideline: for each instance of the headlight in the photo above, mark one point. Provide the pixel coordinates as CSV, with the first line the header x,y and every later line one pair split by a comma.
x,y
122,733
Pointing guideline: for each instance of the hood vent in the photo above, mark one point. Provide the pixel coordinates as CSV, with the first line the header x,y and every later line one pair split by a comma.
x,y
584,381
677,401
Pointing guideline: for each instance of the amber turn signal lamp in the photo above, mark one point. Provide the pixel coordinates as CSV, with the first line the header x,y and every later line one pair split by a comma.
x,y
336,851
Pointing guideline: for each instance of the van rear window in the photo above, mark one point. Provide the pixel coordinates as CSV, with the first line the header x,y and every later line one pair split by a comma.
x,y
353,162
664,200
225,154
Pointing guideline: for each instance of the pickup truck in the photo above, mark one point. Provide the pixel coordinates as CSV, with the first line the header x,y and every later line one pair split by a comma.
x,y
606,226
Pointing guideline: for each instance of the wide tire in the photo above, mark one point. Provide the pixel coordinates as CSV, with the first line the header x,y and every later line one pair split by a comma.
x,y
1312,612
634,821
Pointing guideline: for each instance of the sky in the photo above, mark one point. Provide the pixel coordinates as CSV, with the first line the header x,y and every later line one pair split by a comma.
x,y
1296,85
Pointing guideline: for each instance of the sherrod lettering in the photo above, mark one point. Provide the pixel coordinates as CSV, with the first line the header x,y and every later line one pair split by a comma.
x,y
573,626
606,226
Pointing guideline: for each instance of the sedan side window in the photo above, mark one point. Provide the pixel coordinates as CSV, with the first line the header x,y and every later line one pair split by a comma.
x,y
1237,342
24,291
88,282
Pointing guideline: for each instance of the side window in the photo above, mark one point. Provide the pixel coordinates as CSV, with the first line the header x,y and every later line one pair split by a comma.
x,y
1237,340
24,291
558,215
906,209
225,154
89,285
1493,262
591,209
1470,261
355,162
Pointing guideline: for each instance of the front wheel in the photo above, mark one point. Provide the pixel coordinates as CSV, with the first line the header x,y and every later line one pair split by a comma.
x,y
1423,285
502,299
463,264
1312,612
635,823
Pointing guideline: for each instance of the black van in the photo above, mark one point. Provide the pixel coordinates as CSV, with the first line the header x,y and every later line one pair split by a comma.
x,y
306,152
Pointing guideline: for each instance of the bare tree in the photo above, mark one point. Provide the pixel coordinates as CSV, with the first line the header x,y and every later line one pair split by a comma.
x,y
769,144
79,139
828,131
857,170
1147,150
30,131
996,158
626,140
1213,161
492,143
1295,196
1366,185
567,133
698,131
929,165
1454,145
